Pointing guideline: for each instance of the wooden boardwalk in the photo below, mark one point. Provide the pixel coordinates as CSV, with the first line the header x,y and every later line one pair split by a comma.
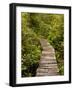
x,y
47,64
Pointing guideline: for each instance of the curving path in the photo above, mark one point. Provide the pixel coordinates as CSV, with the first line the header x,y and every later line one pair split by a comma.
x,y
47,64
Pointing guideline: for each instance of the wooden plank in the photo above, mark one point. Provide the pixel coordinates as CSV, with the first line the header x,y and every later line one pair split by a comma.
x,y
41,70
52,61
48,65
48,54
47,57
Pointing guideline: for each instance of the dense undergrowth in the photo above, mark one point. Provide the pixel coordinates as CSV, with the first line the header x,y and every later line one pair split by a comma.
x,y
34,26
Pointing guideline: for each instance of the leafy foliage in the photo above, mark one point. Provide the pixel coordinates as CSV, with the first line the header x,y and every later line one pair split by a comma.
x,y
31,49
35,26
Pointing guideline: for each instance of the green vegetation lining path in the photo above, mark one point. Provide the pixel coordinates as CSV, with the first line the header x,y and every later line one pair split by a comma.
x,y
47,64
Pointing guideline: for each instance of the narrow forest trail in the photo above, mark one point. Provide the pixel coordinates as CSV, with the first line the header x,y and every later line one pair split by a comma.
x,y
47,64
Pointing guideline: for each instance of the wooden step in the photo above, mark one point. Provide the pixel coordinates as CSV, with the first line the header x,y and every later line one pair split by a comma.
x,y
41,70
48,54
48,68
53,73
47,57
48,74
48,49
47,62
53,69
42,74
48,65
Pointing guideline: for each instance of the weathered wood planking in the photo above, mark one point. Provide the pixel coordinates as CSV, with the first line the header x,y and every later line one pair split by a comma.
x,y
47,64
